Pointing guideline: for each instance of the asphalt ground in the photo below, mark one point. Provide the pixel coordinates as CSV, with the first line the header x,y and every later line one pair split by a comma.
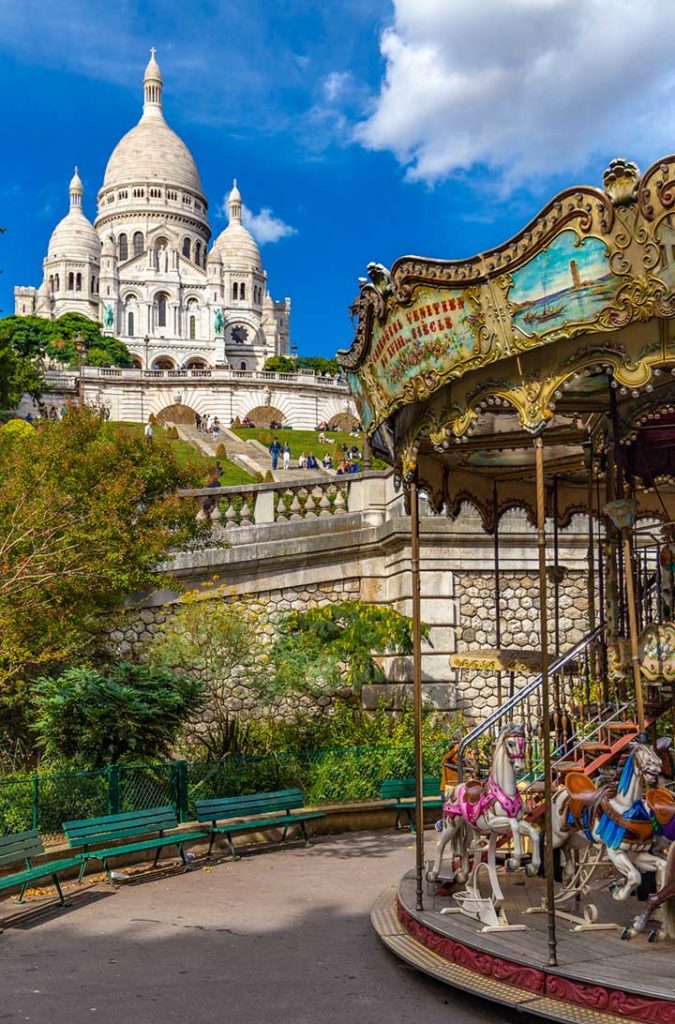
x,y
278,936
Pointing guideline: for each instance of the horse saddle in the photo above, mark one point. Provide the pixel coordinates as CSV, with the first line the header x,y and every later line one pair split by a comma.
x,y
661,803
473,791
582,793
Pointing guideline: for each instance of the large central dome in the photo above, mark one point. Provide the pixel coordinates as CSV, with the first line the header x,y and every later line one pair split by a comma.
x,y
152,152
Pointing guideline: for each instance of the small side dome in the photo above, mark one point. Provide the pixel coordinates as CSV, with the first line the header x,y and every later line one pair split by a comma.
x,y
74,237
237,246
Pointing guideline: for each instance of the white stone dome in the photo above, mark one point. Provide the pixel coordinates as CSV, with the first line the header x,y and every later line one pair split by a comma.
x,y
236,246
151,151
74,237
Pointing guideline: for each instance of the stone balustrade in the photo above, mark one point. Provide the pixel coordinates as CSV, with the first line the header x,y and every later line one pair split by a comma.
x,y
92,373
311,498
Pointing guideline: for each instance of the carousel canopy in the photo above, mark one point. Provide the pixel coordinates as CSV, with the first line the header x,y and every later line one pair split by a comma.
x,y
565,331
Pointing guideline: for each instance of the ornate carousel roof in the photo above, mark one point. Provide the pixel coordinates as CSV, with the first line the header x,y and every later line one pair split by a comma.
x,y
566,328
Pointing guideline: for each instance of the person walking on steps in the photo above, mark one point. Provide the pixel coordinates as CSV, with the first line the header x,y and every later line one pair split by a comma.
x,y
286,455
275,452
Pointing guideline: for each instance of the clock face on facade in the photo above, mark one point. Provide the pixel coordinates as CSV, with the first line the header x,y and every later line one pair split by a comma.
x,y
239,334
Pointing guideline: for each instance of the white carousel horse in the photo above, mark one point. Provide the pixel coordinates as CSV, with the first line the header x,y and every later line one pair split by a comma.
x,y
489,808
622,823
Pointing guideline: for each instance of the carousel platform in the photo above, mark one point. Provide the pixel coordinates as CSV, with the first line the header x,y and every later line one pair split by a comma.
x,y
600,979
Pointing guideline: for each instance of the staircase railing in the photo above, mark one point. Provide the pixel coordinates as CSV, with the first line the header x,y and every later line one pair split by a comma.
x,y
524,693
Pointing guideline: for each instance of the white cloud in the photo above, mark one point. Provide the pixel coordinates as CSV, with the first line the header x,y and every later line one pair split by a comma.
x,y
526,87
264,226
336,84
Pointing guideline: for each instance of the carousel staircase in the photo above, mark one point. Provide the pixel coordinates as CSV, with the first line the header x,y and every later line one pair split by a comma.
x,y
603,742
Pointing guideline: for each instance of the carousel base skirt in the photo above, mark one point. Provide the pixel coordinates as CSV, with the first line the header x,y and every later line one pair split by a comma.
x,y
600,979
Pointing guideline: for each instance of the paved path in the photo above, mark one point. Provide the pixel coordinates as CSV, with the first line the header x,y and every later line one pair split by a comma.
x,y
280,936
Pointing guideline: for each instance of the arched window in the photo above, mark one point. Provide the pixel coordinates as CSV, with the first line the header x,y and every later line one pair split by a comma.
x,y
57,282
123,247
93,283
71,282
51,282
242,366
198,253
78,282
193,327
138,243
242,290
130,325
161,310
186,247
235,290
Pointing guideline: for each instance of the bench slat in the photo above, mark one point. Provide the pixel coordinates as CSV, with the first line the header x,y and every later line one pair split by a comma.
x,y
396,789
146,844
20,845
166,810
260,823
41,871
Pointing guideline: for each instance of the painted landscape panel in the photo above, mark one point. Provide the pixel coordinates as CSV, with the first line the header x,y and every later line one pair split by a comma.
x,y
568,283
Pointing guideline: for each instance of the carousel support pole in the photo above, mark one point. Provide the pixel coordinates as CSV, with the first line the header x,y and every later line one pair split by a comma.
x,y
556,597
546,710
417,691
591,571
498,607
633,630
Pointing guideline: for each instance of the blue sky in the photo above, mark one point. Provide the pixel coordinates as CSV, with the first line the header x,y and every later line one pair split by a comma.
x,y
370,130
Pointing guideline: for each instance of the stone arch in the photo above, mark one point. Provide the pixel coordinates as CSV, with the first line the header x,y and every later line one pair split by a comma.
x,y
138,362
344,421
195,363
163,363
263,415
176,413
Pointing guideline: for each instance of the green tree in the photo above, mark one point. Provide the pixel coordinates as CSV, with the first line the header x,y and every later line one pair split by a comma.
x,y
218,642
279,364
319,364
55,339
334,647
87,512
19,375
123,713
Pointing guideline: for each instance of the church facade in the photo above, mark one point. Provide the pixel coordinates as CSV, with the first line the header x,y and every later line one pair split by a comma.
x,y
144,268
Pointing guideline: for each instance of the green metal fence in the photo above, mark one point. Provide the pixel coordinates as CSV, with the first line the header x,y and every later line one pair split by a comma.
x,y
334,775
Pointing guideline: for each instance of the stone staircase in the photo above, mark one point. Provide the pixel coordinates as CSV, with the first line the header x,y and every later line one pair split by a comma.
x,y
248,455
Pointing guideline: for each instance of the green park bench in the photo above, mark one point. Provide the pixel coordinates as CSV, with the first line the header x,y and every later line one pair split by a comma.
x,y
151,824
403,792
24,846
262,810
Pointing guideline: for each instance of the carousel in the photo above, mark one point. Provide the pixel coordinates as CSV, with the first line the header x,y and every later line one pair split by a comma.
x,y
540,376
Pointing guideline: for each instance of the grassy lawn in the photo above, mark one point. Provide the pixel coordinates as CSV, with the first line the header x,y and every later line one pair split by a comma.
x,y
187,456
301,441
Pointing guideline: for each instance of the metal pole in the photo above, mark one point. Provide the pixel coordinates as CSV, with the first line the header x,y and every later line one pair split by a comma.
x,y
546,711
417,691
498,607
633,630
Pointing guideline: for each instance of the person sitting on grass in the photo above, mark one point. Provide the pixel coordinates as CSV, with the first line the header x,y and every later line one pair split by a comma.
x,y
302,461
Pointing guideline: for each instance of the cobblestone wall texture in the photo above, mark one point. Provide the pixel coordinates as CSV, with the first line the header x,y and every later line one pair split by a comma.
x,y
519,625
138,628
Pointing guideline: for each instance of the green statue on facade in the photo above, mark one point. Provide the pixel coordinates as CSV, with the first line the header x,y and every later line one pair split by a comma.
x,y
108,315
218,321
